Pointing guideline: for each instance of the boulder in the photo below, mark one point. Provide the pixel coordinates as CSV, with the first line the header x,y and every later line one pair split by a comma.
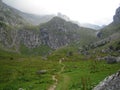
x,y
118,59
41,72
111,59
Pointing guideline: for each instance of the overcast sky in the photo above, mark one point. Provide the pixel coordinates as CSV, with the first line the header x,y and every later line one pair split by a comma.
x,y
98,12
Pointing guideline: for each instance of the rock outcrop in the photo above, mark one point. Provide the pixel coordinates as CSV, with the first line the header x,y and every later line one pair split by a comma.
x,y
53,34
110,83
116,18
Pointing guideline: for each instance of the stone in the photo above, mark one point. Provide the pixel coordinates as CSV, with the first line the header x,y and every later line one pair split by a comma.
x,y
110,59
41,72
118,59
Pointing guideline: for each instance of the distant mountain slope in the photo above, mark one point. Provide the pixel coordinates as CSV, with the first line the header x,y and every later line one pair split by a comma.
x,y
30,18
9,16
66,32
36,19
54,34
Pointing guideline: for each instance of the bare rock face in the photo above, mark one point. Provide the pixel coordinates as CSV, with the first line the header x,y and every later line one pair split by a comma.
x,y
110,83
54,34
116,18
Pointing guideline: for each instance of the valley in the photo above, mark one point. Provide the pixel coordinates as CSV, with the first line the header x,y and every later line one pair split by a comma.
x,y
52,53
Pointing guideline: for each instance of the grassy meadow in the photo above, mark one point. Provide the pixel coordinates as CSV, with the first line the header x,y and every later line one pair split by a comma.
x,y
79,72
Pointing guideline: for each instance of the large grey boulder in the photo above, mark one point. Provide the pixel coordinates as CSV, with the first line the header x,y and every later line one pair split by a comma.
x,y
41,72
110,83
111,59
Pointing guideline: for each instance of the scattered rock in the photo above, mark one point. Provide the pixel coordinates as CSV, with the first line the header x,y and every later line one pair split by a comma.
x,y
41,72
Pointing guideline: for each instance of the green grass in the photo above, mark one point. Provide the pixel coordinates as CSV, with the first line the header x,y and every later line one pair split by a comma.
x,y
84,75
22,73
41,50
110,29
80,72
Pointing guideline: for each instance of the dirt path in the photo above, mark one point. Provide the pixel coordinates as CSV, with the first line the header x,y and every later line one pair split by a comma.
x,y
55,84
53,87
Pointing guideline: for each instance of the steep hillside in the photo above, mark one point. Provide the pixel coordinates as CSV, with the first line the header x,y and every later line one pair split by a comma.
x,y
29,18
9,16
109,30
112,28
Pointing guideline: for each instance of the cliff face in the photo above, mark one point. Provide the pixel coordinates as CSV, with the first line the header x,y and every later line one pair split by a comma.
x,y
116,18
55,34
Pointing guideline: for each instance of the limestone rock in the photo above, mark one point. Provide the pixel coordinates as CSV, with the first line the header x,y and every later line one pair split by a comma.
x,y
116,17
110,83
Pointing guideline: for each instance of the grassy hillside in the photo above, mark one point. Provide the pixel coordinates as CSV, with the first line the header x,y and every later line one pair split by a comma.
x,y
110,29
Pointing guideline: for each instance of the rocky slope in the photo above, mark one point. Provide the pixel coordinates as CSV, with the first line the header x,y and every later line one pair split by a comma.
x,y
55,34
29,18
9,16
111,32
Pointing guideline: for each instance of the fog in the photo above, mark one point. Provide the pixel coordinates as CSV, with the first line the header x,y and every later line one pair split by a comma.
x,y
98,12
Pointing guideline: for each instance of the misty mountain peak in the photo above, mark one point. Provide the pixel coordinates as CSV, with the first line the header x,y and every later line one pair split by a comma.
x,y
63,16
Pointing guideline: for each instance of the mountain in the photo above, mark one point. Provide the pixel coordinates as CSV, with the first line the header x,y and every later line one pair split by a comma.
x,y
33,56
36,19
113,28
28,38
63,17
54,34
9,16
29,18
86,25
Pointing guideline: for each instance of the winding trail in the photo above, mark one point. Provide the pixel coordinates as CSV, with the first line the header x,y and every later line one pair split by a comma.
x,y
53,87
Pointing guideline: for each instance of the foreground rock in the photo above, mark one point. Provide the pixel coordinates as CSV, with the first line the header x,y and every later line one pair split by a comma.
x,y
41,72
110,83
